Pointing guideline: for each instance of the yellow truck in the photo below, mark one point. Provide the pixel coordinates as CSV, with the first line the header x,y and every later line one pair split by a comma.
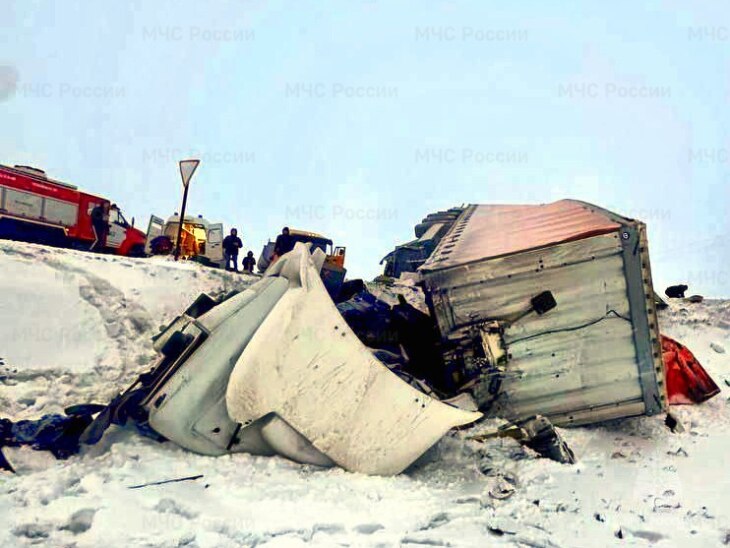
x,y
333,272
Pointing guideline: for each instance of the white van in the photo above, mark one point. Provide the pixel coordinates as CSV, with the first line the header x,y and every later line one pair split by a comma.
x,y
202,240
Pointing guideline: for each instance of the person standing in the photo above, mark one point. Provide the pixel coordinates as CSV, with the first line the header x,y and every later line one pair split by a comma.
x,y
231,244
284,243
100,225
248,262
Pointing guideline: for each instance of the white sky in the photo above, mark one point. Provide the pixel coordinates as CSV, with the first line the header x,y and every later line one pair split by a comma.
x,y
356,119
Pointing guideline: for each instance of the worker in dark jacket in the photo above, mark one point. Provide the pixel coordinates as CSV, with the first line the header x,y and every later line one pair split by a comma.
x,y
100,225
231,244
284,242
248,262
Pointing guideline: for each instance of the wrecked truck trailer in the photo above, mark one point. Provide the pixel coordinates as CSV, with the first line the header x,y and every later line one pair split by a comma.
x,y
538,315
551,309
409,256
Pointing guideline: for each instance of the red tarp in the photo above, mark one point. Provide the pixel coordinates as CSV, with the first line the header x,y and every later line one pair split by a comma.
x,y
687,381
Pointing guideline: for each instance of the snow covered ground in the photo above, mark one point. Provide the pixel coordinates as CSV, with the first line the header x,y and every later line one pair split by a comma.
x,y
75,327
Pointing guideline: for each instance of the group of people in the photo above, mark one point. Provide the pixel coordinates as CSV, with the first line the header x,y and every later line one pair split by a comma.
x,y
231,244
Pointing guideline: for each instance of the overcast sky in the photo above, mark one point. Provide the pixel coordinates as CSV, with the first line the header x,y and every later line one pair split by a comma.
x,y
358,118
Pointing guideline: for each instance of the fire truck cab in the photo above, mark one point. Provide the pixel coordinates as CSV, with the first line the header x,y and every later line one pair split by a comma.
x,y
35,208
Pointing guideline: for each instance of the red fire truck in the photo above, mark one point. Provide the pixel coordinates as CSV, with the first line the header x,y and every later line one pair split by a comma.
x,y
34,208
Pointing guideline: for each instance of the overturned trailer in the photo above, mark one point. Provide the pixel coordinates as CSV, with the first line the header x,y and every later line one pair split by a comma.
x,y
592,354
538,313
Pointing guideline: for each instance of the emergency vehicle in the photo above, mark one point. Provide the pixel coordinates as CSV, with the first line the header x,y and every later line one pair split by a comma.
x,y
35,208
201,240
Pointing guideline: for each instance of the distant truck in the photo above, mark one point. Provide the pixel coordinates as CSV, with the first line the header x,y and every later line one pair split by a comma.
x,y
202,241
37,209
333,271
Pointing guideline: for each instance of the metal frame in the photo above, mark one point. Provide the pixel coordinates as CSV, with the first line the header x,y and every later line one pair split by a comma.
x,y
643,316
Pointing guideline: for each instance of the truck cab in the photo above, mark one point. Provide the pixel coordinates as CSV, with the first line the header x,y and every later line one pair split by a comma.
x,y
122,236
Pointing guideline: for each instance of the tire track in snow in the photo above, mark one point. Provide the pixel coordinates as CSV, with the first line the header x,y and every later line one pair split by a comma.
x,y
127,324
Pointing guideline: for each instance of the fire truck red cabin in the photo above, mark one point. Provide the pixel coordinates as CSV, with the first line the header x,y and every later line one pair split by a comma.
x,y
37,209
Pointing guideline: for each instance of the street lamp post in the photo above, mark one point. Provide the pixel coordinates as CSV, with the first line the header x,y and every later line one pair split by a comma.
x,y
187,168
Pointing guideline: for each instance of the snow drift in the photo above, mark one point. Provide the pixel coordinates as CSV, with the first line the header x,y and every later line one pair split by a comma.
x,y
77,327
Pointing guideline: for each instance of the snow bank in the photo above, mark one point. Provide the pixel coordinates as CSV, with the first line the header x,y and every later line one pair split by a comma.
x,y
76,327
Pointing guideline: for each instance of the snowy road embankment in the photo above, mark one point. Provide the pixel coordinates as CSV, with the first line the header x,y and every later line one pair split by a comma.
x,y
76,327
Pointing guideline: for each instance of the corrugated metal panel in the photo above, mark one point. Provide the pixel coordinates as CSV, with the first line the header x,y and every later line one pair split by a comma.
x,y
570,371
576,363
486,231
504,286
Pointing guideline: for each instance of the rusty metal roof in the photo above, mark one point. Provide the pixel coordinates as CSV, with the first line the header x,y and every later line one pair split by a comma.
x,y
488,231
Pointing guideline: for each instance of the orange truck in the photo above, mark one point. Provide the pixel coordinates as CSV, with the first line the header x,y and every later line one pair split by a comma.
x,y
35,208
333,270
